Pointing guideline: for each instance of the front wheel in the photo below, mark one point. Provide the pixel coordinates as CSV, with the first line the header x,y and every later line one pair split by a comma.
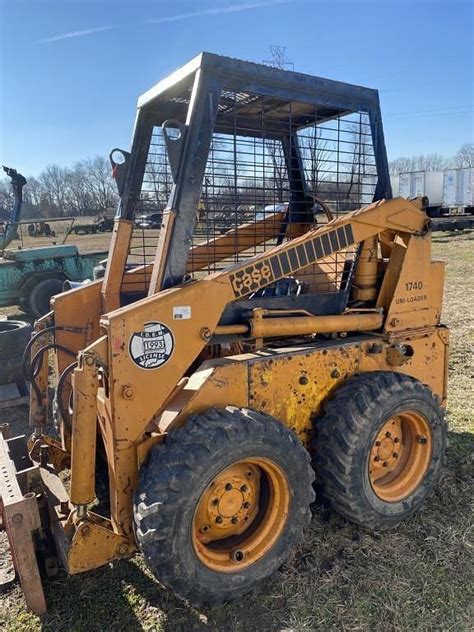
x,y
379,448
222,503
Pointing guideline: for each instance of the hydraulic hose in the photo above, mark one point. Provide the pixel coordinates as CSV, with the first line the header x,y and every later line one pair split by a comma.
x,y
30,372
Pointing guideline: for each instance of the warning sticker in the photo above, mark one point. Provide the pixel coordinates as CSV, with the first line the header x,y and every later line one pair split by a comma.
x,y
182,312
152,347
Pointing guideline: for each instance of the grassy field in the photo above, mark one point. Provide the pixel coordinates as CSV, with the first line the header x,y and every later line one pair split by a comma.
x,y
416,577
85,243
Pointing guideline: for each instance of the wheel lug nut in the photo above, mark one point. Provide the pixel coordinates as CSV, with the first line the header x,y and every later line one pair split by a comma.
x,y
205,528
237,556
385,464
215,501
395,455
377,443
246,505
388,434
396,440
244,488
234,520
249,474
377,458
228,487
421,439
219,520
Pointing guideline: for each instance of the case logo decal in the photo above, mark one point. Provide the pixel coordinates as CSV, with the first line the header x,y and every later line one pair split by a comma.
x,y
248,279
152,347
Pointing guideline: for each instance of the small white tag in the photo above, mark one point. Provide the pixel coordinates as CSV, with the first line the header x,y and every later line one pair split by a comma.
x,y
183,312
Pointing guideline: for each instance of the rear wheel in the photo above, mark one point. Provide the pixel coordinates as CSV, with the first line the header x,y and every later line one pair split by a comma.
x,y
222,503
41,294
379,448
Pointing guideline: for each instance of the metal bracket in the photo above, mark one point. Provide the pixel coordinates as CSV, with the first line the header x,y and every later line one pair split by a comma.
x,y
119,169
174,133
20,516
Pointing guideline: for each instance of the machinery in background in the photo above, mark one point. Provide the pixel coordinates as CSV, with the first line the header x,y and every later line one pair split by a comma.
x,y
29,277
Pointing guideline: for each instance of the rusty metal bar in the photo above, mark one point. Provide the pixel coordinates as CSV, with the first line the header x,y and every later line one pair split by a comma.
x,y
229,330
20,516
119,246
260,327
275,327
84,433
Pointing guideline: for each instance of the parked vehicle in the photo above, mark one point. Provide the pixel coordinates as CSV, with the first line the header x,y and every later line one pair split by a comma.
x,y
102,224
40,229
149,221
29,277
448,195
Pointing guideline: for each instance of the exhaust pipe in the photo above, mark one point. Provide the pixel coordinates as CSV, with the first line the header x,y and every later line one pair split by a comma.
x,y
72,285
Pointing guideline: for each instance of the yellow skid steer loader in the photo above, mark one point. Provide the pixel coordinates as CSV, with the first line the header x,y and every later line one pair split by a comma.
x,y
281,328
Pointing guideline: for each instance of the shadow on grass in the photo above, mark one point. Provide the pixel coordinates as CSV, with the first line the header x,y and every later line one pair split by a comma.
x,y
119,597
125,596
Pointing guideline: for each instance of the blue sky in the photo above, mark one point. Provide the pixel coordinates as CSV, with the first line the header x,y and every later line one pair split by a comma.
x,y
71,72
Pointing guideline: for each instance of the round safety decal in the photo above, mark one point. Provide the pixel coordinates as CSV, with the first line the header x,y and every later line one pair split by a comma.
x,y
152,347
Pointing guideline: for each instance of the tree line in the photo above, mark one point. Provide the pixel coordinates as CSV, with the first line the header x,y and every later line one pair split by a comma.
x,y
464,157
86,188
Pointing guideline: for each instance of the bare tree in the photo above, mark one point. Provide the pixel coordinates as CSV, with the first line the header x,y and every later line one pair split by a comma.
x,y
317,155
55,182
5,198
100,183
80,194
274,149
422,162
464,157
400,165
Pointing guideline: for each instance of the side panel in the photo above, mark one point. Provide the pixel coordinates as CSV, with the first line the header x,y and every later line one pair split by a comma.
x,y
412,288
292,384
450,187
467,187
404,185
79,310
434,186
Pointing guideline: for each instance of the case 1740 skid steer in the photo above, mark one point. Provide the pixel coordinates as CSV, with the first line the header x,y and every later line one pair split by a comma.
x,y
281,327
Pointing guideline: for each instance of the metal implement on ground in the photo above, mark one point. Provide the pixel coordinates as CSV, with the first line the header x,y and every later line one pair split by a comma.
x,y
281,326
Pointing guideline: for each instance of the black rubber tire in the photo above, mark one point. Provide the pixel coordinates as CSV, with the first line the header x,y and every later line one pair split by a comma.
x,y
14,336
174,479
344,436
41,293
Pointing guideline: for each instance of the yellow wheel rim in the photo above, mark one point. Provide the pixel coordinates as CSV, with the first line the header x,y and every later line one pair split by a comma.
x,y
240,515
400,456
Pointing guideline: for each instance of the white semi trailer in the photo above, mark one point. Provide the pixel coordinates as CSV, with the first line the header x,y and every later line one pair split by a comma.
x,y
448,192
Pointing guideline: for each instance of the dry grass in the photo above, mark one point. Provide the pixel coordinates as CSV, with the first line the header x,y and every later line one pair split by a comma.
x,y
85,243
416,577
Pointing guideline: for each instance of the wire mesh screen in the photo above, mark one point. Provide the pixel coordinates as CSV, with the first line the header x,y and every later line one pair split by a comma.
x,y
339,161
242,186
156,189
269,163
